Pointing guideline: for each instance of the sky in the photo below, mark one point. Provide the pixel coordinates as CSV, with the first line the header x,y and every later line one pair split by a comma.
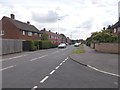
x,y
76,19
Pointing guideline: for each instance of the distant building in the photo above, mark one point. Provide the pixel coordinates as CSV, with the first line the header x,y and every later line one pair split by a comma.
x,y
68,40
55,38
116,26
14,29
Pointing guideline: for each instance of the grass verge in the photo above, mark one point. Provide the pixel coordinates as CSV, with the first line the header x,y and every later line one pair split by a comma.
x,y
79,50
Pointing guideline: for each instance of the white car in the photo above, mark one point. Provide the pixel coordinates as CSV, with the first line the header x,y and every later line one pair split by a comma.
x,y
76,44
62,45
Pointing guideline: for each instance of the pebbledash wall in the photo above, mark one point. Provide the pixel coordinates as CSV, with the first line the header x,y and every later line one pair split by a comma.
x,y
106,47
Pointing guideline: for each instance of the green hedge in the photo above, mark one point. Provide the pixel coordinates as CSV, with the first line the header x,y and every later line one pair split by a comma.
x,y
46,45
36,45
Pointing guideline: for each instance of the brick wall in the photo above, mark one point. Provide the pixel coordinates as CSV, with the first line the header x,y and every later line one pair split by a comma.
x,y
107,47
10,31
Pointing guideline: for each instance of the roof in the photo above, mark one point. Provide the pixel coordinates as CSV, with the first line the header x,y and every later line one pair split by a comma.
x,y
23,26
117,24
49,33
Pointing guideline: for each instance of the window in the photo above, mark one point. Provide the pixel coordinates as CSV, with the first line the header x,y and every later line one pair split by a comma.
x,y
49,36
35,34
1,33
29,33
39,35
23,32
115,30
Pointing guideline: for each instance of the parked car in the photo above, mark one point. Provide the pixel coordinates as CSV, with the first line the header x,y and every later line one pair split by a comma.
x,y
76,45
62,45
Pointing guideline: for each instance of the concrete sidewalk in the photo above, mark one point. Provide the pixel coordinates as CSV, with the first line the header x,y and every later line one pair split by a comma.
x,y
102,61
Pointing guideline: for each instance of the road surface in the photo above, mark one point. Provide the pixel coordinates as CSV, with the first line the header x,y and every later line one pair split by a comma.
x,y
51,68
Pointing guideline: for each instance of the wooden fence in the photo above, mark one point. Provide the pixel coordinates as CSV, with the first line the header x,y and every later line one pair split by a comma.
x,y
11,46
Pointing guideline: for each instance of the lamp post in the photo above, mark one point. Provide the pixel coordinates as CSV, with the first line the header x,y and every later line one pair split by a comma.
x,y
58,24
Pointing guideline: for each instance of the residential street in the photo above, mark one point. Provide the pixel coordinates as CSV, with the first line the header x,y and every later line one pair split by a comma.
x,y
53,68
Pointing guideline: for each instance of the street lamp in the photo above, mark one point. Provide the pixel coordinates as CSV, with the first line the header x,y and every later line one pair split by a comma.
x,y
58,24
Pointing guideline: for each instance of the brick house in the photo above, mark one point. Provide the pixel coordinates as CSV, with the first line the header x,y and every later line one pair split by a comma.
x,y
14,29
68,40
55,38
116,27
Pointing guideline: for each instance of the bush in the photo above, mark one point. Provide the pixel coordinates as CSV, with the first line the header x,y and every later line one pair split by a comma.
x,y
32,46
36,45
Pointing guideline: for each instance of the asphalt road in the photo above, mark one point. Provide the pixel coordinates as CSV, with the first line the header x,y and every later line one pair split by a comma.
x,y
51,68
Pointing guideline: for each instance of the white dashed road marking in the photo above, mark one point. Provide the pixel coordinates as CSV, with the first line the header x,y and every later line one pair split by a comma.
x,y
7,68
38,58
61,64
55,52
34,87
116,83
52,72
12,58
46,77
57,67
43,80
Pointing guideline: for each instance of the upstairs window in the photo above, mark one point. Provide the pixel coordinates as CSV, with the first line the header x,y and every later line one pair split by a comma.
x,y
30,33
23,32
35,34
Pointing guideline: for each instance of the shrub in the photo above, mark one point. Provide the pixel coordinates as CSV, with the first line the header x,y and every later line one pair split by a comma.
x,y
32,46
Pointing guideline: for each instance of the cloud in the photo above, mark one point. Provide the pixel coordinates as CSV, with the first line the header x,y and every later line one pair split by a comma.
x,y
86,24
50,17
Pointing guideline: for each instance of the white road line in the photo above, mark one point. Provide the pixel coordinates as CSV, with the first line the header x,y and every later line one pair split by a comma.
x,y
42,56
66,59
38,58
103,71
43,80
55,52
116,83
34,59
34,87
63,61
12,58
7,68
52,72
61,64
57,67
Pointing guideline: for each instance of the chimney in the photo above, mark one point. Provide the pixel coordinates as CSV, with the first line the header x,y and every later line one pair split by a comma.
x,y
12,16
44,29
56,33
49,31
28,22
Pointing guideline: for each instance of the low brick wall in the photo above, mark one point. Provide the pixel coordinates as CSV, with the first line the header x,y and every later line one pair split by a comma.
x,y
107,47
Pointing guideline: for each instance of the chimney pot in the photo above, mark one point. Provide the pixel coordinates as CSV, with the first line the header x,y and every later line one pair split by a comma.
x,y
28,22
12,16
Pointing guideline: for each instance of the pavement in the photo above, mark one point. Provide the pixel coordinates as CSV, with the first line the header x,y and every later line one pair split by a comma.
x,y
104,62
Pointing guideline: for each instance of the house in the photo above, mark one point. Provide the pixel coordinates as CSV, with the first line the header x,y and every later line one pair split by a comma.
x,y
116,27
55,38
68,40
14,29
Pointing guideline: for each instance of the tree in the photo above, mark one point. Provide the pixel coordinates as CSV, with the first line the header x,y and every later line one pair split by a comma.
x,y
44,36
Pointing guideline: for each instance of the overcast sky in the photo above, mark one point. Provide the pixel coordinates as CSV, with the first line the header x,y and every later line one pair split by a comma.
x,y
76,19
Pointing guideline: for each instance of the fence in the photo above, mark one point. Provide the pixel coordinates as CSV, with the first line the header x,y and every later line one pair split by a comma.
x,y
11,46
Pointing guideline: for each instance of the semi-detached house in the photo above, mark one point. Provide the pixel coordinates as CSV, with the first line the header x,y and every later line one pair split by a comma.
x,y
14,29
55,38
